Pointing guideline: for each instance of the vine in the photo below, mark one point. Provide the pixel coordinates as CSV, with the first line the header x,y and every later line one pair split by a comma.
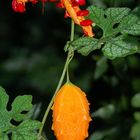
x,y
65,70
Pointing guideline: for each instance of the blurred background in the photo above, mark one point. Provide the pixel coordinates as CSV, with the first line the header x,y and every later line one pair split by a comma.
x,y
32,59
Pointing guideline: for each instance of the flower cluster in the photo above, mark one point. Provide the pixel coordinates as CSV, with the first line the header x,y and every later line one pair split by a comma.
x,y
19,5
72,10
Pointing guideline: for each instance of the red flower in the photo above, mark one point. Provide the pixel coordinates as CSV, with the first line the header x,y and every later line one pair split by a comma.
x,y
18,6
78,2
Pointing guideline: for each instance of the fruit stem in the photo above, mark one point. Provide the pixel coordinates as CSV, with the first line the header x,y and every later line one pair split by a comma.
x,y
65,69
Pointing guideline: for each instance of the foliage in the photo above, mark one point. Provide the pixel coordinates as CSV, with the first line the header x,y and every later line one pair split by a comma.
x,y
26,128
120,30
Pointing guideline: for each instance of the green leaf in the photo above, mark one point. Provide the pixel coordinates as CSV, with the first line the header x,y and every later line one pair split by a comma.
x,y
114,22
4,120
128,22
136,100
27,130
135,131
106,19
113,16
97,16
4,114
130,25
116,14
3,99
85,45
101,68
120,47
21,103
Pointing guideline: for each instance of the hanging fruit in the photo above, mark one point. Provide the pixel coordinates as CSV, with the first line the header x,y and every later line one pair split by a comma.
x,y
70,113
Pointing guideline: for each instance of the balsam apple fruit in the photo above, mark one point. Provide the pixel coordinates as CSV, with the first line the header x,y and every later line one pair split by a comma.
x,y
70,113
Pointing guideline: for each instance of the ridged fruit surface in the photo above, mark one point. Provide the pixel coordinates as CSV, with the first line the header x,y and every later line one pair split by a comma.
x,y
70,113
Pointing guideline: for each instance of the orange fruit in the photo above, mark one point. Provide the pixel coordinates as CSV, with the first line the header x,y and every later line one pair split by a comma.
x,y
70,113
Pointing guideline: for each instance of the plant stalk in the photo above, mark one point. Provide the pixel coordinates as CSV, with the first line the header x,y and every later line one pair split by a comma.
x,y
65,70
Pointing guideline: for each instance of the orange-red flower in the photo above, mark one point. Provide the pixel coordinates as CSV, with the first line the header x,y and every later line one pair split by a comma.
x,y
73,11
71,113
19,5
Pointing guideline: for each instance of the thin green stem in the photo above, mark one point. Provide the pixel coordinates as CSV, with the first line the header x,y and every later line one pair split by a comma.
x,y
65,69
51,102
71,51
68,79
72,31
71,54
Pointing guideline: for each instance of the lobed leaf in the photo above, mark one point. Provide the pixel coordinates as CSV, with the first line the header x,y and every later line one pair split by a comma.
x,y
3,99
130,25
27,130
116,14
21,103
106,19
4,114
120,47
85,45
117,22
97,15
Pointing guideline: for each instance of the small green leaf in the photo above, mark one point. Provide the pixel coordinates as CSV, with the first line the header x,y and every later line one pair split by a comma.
x,y
27,130
85,45
120,47
136,100
21,103
135,131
